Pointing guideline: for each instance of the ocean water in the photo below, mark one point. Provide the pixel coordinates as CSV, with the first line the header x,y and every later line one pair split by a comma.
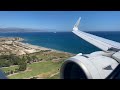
x,y
63,41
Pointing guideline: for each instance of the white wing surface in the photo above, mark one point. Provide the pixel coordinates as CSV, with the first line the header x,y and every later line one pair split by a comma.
x,y
101,43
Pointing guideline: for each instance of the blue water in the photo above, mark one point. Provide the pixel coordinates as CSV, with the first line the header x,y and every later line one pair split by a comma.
x,y
63,41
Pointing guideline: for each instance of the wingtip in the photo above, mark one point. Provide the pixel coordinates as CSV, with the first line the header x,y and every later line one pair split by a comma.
x,y
77,24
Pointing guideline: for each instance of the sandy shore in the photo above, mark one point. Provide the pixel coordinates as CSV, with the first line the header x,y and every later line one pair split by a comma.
x,y
42,48
16,46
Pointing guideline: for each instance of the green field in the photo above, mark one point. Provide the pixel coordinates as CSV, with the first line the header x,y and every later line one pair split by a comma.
x,y
47,68
41,69
9,68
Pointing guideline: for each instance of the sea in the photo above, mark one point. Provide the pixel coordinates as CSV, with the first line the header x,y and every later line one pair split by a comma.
x,y
63,41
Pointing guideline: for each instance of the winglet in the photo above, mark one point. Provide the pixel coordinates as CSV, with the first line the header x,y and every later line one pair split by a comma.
x,y
77,24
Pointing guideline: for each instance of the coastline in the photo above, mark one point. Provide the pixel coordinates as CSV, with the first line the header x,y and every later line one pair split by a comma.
x,y
41,47
44,48
15,45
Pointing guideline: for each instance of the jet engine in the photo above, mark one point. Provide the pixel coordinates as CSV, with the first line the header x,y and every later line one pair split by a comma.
x,y
97,65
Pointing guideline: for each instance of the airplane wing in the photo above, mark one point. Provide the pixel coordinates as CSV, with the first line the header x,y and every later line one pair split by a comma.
x,y
101,43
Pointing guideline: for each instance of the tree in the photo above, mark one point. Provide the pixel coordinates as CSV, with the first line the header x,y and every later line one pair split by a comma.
x,y
14,59
29,59
22,64
4,63
11,71
8,60
34,58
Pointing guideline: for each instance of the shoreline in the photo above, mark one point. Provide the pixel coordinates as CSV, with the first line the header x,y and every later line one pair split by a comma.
x,y
46,48
15,45
42,47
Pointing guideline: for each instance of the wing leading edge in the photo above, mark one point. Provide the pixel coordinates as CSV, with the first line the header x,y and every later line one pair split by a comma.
x,y
101,43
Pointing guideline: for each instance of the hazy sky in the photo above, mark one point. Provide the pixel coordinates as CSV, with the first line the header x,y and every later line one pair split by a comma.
x,y
61,20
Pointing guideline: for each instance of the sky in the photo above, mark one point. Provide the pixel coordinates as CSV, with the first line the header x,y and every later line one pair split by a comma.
x,y
61,20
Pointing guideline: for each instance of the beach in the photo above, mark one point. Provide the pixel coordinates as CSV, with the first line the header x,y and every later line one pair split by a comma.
x,y
14,45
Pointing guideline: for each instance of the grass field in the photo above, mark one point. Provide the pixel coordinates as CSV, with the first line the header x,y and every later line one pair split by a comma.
x,y
6,69
48,68
40,70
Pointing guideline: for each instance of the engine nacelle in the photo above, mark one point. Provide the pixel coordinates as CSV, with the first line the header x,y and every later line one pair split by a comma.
x,y
97,65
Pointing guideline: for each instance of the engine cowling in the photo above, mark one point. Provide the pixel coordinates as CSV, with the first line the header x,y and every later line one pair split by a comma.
x,y
97,65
